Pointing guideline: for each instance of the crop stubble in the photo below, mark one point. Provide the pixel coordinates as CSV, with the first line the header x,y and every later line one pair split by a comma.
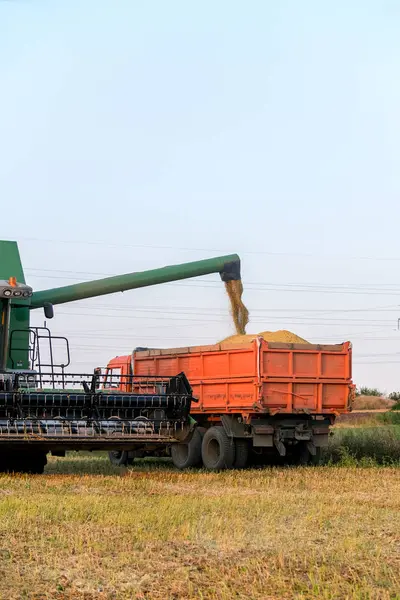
x,y
327,532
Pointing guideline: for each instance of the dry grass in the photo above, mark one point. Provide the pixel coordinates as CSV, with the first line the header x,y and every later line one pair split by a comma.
x,y
372,403
359,419
373,418
88,531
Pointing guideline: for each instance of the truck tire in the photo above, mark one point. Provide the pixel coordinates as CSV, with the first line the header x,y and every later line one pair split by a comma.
x,y
301,456
217,449
188,455
118,458
316,460
241,453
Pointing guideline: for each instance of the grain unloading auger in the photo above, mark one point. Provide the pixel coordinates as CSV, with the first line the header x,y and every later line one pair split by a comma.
x,y
44,408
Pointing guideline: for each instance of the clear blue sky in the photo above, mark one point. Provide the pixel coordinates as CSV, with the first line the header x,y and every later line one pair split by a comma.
x,y
162,132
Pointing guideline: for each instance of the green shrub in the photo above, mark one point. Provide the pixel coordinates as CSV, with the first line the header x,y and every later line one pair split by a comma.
x,y
364,446
390,418
366,391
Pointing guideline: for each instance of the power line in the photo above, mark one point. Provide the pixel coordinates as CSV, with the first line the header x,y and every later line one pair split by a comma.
x,y
382,362
168,312
376,354
287,323
367,286
187,249
273,287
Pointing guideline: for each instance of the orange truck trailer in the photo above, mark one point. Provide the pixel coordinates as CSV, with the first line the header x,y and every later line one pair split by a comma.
x,y
260,401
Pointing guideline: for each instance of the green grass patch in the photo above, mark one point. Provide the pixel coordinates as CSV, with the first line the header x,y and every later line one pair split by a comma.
x,y
365,446
389,418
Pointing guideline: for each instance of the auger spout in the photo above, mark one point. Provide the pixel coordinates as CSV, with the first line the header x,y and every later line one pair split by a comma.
x,y
227,266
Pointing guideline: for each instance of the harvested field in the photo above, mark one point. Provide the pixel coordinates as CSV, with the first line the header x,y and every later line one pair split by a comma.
x,y
88,531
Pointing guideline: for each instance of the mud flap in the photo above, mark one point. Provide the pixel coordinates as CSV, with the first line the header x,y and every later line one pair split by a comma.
x,y
311,448
279,445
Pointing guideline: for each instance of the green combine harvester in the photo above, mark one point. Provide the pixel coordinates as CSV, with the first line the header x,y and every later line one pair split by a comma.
x,y
45,408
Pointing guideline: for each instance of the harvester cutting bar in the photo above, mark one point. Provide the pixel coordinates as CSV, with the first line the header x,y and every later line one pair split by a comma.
x,y
115,431
157,409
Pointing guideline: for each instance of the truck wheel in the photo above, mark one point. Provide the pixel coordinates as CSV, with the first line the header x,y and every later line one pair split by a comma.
x,y
315,460
217,450
301,456
118,458
241,453
188,455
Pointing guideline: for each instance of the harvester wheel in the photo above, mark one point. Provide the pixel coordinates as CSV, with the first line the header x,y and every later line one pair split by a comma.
x,y
118,458
218,450
35,463
188,455
241,453
24,462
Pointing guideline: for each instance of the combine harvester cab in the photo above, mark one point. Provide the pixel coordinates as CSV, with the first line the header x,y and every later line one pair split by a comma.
x,y
259,401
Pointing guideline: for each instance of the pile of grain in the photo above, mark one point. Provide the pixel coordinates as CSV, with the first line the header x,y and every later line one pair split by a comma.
x,y
269,336
239,312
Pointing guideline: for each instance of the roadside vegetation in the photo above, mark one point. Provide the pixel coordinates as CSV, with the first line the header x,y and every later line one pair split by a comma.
x,y
367,391
374,445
